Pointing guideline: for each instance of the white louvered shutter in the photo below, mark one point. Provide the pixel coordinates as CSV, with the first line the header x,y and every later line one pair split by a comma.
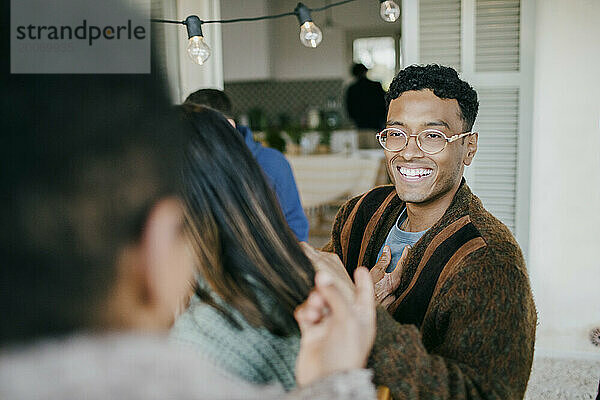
x,y
497,35
439,26
492,28
494,171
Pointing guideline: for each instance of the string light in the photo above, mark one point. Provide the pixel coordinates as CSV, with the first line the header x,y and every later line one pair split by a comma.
x,y
197,49
310,34
390,11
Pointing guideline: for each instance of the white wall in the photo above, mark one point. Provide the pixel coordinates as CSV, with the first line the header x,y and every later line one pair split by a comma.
x,y
565,174
272,49
246,53
291,60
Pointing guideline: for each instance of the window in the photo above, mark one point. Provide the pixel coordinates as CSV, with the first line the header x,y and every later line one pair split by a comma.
x,y
378,54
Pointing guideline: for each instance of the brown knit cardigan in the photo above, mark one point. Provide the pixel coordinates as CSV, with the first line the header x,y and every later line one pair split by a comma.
x,y
463,325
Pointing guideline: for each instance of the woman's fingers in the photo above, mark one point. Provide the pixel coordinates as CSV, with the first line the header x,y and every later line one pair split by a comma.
x,y
311,311
333,297
365,295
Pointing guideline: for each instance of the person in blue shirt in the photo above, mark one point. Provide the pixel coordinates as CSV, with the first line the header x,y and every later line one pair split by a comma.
x,y
276,168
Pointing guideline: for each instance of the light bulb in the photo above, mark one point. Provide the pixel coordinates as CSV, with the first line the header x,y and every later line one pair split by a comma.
x,y
390,11
198,50
310,34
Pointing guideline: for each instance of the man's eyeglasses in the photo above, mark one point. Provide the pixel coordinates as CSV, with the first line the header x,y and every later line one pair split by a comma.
x,y
430,141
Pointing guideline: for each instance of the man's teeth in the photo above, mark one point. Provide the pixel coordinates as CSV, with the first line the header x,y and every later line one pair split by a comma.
x,y
415,171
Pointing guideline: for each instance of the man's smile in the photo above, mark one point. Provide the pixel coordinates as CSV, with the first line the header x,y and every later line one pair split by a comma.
x,y
414,174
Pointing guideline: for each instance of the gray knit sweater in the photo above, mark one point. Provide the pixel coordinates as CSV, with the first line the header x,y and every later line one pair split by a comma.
x,y
253,354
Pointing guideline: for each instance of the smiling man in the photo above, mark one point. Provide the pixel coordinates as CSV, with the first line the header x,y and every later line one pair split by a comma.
x,y
462,321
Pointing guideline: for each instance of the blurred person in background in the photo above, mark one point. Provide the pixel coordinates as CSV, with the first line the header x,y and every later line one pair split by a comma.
x,y
365,103
276,168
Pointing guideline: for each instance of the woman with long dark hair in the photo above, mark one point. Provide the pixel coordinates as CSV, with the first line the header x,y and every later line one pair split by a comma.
x,y
252,271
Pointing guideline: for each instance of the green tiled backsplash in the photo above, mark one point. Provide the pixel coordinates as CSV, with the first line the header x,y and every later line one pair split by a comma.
x,y
292,98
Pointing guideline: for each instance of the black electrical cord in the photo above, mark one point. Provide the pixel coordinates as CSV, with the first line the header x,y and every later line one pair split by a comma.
x,y
227,21
339,3
167,21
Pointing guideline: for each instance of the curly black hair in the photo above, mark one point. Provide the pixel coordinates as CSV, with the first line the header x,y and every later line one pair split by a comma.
x,y
445,84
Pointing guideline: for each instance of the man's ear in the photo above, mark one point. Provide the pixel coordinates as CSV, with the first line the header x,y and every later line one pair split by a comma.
x,y
471,148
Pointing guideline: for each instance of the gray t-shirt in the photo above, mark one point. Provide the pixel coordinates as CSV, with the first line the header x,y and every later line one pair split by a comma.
x,y
398,239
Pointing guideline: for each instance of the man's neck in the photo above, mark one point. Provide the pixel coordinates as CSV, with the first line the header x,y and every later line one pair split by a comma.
x,y
422,216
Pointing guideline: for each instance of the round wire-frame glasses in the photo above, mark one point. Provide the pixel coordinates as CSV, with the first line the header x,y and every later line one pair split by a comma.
x,y
430,141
